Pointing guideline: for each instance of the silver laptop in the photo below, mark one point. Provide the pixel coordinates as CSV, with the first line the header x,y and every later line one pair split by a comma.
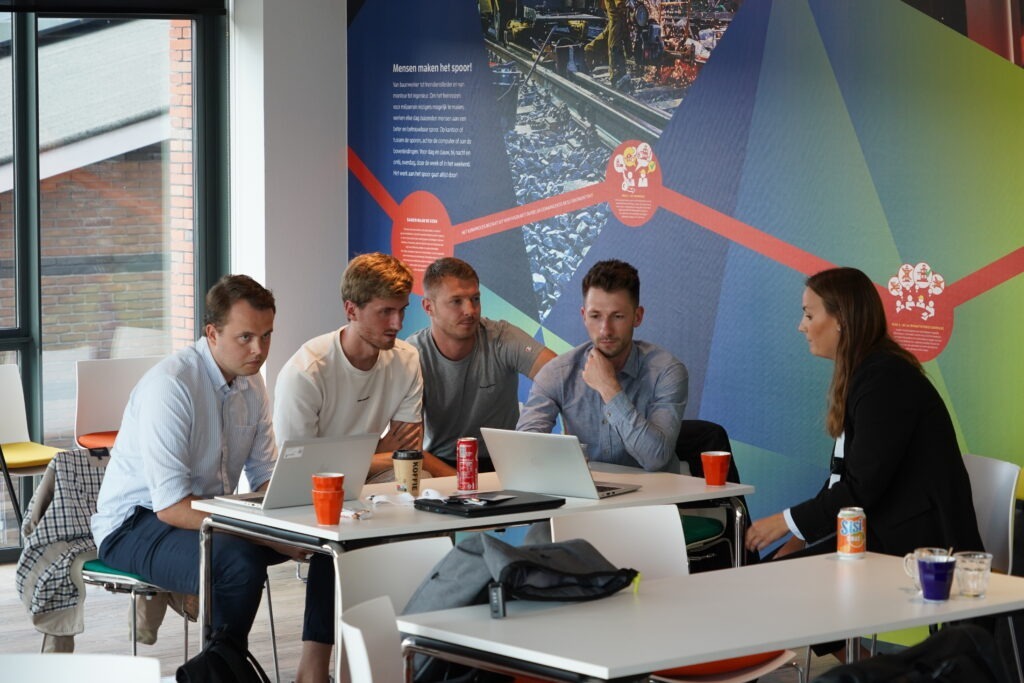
x,y
299,460
545,463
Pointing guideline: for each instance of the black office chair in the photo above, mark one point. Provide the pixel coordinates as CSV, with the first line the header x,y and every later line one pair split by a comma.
x,y
708,540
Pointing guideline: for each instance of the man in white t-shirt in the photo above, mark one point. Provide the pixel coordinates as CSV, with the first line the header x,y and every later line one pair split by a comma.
x,y
361,378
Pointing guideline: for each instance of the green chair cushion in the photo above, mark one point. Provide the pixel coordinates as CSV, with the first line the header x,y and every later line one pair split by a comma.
x,y
697,529
101,567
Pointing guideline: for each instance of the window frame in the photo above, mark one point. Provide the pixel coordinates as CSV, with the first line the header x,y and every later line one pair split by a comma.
x,y
211,178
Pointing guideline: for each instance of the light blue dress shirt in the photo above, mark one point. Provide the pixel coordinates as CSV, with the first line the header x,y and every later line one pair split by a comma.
x,y
185,432
638,427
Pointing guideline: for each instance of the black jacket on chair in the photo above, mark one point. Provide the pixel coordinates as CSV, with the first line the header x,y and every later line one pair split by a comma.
x,y
695,437
901,464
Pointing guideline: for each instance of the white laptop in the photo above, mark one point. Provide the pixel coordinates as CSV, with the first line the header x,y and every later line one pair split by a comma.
x,y
299,460
545,463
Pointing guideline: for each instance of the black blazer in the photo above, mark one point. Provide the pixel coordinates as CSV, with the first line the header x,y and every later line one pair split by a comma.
x,y
901,464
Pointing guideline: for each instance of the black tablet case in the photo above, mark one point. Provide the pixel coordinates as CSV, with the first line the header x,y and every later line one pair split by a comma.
x,y
523,502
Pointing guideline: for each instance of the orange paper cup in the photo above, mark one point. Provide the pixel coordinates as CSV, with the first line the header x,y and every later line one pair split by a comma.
x,y
716,466
328,481
328,506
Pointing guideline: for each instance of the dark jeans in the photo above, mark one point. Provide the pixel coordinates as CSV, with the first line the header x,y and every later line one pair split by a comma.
x,y
169,557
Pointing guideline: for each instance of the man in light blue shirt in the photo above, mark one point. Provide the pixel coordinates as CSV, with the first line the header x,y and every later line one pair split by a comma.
x,y
192,424
623,398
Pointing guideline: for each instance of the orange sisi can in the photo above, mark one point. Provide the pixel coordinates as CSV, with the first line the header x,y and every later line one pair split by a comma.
x,y
851,533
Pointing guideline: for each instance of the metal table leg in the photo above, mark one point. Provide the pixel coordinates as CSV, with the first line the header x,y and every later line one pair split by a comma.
x,y
206,530
739,531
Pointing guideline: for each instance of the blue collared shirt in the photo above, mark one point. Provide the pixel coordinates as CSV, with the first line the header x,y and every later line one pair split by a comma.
x,y
185,432
638,427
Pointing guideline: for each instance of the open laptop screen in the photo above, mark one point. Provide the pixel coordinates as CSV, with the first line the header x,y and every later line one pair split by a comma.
x,y
545,463
299,459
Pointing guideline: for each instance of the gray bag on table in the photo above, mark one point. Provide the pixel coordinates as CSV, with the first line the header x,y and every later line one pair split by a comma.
x,y
566,571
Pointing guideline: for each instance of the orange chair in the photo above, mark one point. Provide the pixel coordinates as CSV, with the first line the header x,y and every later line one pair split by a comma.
x,y
103,388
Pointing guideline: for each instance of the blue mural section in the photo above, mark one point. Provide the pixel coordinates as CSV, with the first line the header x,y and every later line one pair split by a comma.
x,y
440,32
862,134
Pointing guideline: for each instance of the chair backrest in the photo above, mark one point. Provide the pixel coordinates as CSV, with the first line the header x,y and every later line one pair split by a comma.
x,y
994,489
13,419
391,569
647,538
103,388
81,668
696,436
372,641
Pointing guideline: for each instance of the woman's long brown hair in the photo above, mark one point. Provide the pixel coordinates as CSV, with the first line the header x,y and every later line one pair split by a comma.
x,y
852,299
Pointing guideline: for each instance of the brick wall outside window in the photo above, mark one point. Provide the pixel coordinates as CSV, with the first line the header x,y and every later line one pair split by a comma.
x,y
117,252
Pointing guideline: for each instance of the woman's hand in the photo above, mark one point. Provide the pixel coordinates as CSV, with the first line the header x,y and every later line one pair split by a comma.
x,y
766,531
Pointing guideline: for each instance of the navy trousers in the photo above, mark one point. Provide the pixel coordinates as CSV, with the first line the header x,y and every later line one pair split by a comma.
x,y
169,557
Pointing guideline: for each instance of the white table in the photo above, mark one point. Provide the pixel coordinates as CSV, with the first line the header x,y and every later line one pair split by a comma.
x,y
704,617
297,526
390,521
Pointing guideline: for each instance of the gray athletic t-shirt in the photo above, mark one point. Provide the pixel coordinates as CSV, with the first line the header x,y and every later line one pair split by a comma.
x,y
481,390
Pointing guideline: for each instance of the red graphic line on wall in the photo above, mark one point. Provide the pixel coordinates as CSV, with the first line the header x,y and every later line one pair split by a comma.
x,y
372,185
743,234
986,278
530,213
965,289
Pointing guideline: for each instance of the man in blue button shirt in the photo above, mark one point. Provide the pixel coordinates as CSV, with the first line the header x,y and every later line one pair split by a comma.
x,y
622,397
192,424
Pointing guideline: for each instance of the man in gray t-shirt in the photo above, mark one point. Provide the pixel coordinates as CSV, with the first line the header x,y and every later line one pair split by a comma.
x,y
471,365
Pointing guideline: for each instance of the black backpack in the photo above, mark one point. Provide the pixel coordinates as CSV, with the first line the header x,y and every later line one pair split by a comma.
x,y
223,660
956,654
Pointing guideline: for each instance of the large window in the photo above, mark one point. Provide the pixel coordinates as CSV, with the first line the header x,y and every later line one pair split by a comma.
x,y
115,212
8,293
112,222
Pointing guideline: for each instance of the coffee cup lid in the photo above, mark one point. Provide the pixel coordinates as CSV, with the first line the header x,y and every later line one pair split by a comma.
x,y
407,455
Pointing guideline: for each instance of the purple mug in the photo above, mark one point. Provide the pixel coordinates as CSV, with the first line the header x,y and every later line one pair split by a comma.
x,y
936,575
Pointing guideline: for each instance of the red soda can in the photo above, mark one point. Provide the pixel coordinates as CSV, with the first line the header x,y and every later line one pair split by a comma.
x,y
466,463
851,533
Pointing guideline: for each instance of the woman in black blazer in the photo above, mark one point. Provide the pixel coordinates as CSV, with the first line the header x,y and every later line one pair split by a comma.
x,y
896,453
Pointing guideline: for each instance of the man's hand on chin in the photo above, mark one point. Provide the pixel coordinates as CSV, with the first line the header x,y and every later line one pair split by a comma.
x,y
599,374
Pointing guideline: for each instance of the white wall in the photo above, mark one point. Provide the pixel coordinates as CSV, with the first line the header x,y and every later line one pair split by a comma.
x,y
289,172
